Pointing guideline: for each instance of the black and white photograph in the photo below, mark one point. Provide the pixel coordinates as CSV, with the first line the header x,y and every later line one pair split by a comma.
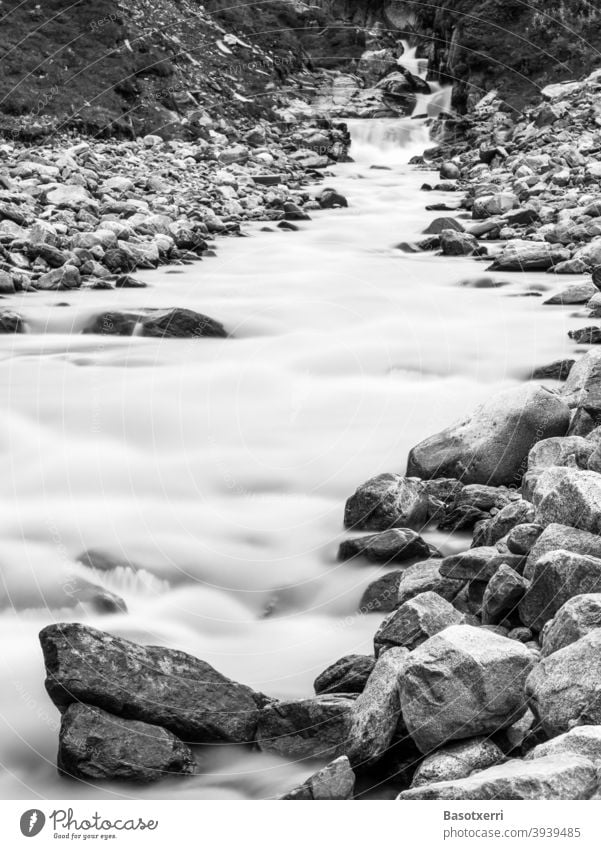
x,y
300,432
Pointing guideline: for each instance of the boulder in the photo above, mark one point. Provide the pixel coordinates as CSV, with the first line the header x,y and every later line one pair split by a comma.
x,y
97,746
457,761
147,683
574,619
487,206
590,335
334,781
387,501
463,682
11,322
569,496
491,445
436,227
564,689
558,577
376,713
560,451
181,324
416,621
562,778
423,577
515,513
70,197
557,370
65,277
453,243
582,389
349,674
557,536
502,595
521,255
393,546
477,564
306,728
522,538
576,293
449,171
583,740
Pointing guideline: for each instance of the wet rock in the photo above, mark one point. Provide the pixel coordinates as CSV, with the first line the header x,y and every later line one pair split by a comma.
x,y
436,227
497,204
65,277
583,740
569,496
97,746
457,761
574,619
330,199
306,728
558,577
11,322
113,324
463,682
477,564
577,293
564,689
571,451
393,546
181,323
381,595
571,777
349,674
586,335
426,577
491,445
415,621
520,255
449,171
522,538
147,683
387,501
515,513
334,781
441,493
474,503
503,593
582,389
558,370
557,536
453,243
376,713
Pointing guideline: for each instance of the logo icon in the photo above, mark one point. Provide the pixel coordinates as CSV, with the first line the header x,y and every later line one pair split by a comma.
x,y
32,822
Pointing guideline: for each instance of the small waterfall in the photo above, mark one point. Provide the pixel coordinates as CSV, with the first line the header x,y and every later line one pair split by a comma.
x,y
387,141
410,62
439,100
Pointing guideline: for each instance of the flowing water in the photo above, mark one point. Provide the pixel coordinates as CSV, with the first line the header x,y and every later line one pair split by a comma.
x,y
215,471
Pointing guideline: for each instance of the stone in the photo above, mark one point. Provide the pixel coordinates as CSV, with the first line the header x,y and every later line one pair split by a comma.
x,y
477,564
7,286
487,206
436,227
113,324
521,539
463,682
457,761
97,746
415,621
561,778
349,674
330,199
583,740
336,780
181,323
381,595
376,714
574,619
11,322
147,683
393,546
70,197
564,689
558,577
560,451
449,171
521,255
576,293
502,595
387,501
583,387
306,728
453,243
65,277
586,335
423,577
491,445
557,370
557,536
569,496
515,513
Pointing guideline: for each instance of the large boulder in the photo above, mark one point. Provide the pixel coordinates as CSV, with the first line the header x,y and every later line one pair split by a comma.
x,y
583,740
564,689
349,674
423,577
572,451
558,577
463,682
387,501
306,728
179,323
376,714
561,777
491,445
558,536
393,546
149,683
582,389
570,496
502,595
521,255
457,761
95,746
336,780
576,618
477,564
415,621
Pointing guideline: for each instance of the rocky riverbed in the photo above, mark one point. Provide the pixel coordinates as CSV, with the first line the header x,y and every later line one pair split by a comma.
x,y
483,680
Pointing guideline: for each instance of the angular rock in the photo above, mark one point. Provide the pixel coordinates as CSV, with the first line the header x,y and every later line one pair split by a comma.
x,y
560,451
463,682
557,536
515,513
349,674
576,293
387,501
491,445
564,689
522,538
65,277
574,619
306,728
334,781
457,761
477,564
558,577
503,593
557,370
381,595
453,243
393,546
423,577
147,683
436,227
520,255
583,740
11,322
569,496
570,777
489,205
96,746
416,621
590,335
